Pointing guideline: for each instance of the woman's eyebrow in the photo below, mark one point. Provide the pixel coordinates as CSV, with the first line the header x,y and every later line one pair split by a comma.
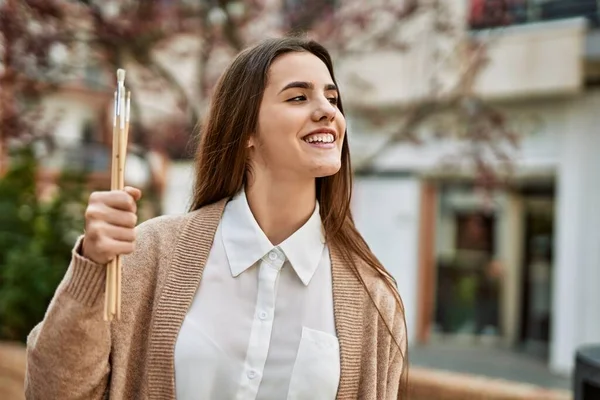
x,y
306,85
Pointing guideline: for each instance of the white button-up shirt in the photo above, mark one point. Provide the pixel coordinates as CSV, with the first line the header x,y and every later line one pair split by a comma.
x,y
261,325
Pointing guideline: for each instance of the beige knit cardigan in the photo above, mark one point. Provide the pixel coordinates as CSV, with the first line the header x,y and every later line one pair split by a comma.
x,y
74,354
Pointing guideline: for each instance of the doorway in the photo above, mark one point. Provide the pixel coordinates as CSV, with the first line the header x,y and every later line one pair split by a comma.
x,y
468,294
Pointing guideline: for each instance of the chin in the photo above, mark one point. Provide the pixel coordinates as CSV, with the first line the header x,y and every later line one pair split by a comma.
x,y
322,171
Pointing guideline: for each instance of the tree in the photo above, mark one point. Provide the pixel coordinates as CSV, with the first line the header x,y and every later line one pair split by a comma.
x,y
141,36
452,110
32,34
348,28
36,236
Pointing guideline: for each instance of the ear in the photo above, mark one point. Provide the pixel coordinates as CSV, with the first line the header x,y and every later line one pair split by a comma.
x,y
250,142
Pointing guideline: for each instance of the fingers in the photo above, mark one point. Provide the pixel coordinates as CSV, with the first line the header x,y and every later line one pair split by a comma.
x,y
117,199
116,233
133,192
102,213
110,220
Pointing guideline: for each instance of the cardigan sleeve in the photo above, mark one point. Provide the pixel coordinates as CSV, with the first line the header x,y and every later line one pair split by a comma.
x,y
397,379
68,352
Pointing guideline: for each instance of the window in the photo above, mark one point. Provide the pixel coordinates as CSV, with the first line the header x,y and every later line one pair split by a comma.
x,y
495,13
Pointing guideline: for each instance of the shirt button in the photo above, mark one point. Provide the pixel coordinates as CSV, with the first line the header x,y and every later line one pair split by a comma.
x,y
263,315
251,374
273,256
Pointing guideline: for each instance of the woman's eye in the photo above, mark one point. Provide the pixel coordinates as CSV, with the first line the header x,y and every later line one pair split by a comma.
x,y
333,100
297,98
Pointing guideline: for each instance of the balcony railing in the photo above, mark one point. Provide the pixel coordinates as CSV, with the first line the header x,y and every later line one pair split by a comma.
x,y
496,13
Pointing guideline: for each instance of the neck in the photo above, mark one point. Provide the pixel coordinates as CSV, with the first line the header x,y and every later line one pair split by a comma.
x,y
281,207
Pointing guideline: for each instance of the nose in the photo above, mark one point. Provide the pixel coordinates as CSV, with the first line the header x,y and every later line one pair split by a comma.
x,y
324,111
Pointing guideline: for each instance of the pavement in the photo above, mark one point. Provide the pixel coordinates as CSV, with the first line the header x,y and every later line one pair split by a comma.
x,y
487,360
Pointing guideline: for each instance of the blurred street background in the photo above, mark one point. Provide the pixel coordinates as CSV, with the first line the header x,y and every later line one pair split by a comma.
x,y
474,128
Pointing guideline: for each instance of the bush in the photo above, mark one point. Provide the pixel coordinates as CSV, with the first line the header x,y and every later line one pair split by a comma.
x,y
36,238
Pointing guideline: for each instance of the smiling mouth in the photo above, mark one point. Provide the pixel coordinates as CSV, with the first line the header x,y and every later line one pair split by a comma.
x,y
319,138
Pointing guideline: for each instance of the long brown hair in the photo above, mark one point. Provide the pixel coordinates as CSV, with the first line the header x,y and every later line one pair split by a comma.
x,y
221,159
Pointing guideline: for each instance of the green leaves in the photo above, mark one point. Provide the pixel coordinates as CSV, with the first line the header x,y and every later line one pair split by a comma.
x,y
35,243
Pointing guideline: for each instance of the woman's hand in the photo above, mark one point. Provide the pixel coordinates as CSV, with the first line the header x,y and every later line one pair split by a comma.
x,y
110,220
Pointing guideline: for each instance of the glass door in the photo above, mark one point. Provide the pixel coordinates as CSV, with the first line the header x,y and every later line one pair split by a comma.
x,y
468,293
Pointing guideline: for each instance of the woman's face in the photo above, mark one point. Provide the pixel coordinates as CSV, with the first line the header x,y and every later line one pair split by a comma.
x,y
300,128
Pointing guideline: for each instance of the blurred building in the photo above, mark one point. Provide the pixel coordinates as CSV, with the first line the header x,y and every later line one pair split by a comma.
x,y
522,265
76,113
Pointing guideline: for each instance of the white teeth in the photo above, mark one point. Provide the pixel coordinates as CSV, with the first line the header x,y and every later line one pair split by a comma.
x,y
322,138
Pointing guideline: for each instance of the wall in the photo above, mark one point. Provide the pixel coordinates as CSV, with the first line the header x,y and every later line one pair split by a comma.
x,y
386,211
538,124
178,188
525,61
577,267
533,60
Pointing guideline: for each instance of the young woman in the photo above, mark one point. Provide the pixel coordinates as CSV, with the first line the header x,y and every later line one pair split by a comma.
x,y
265,290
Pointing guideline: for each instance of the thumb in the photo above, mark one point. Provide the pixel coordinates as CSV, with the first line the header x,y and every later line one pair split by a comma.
x,y
133,192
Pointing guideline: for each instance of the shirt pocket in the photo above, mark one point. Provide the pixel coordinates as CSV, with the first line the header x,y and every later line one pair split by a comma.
x,y
316,372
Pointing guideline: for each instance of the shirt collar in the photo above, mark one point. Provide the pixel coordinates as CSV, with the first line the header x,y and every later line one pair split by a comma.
x,y
245,242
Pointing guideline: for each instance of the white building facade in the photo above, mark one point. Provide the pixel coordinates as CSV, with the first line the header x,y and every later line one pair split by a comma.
x,y
541,76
